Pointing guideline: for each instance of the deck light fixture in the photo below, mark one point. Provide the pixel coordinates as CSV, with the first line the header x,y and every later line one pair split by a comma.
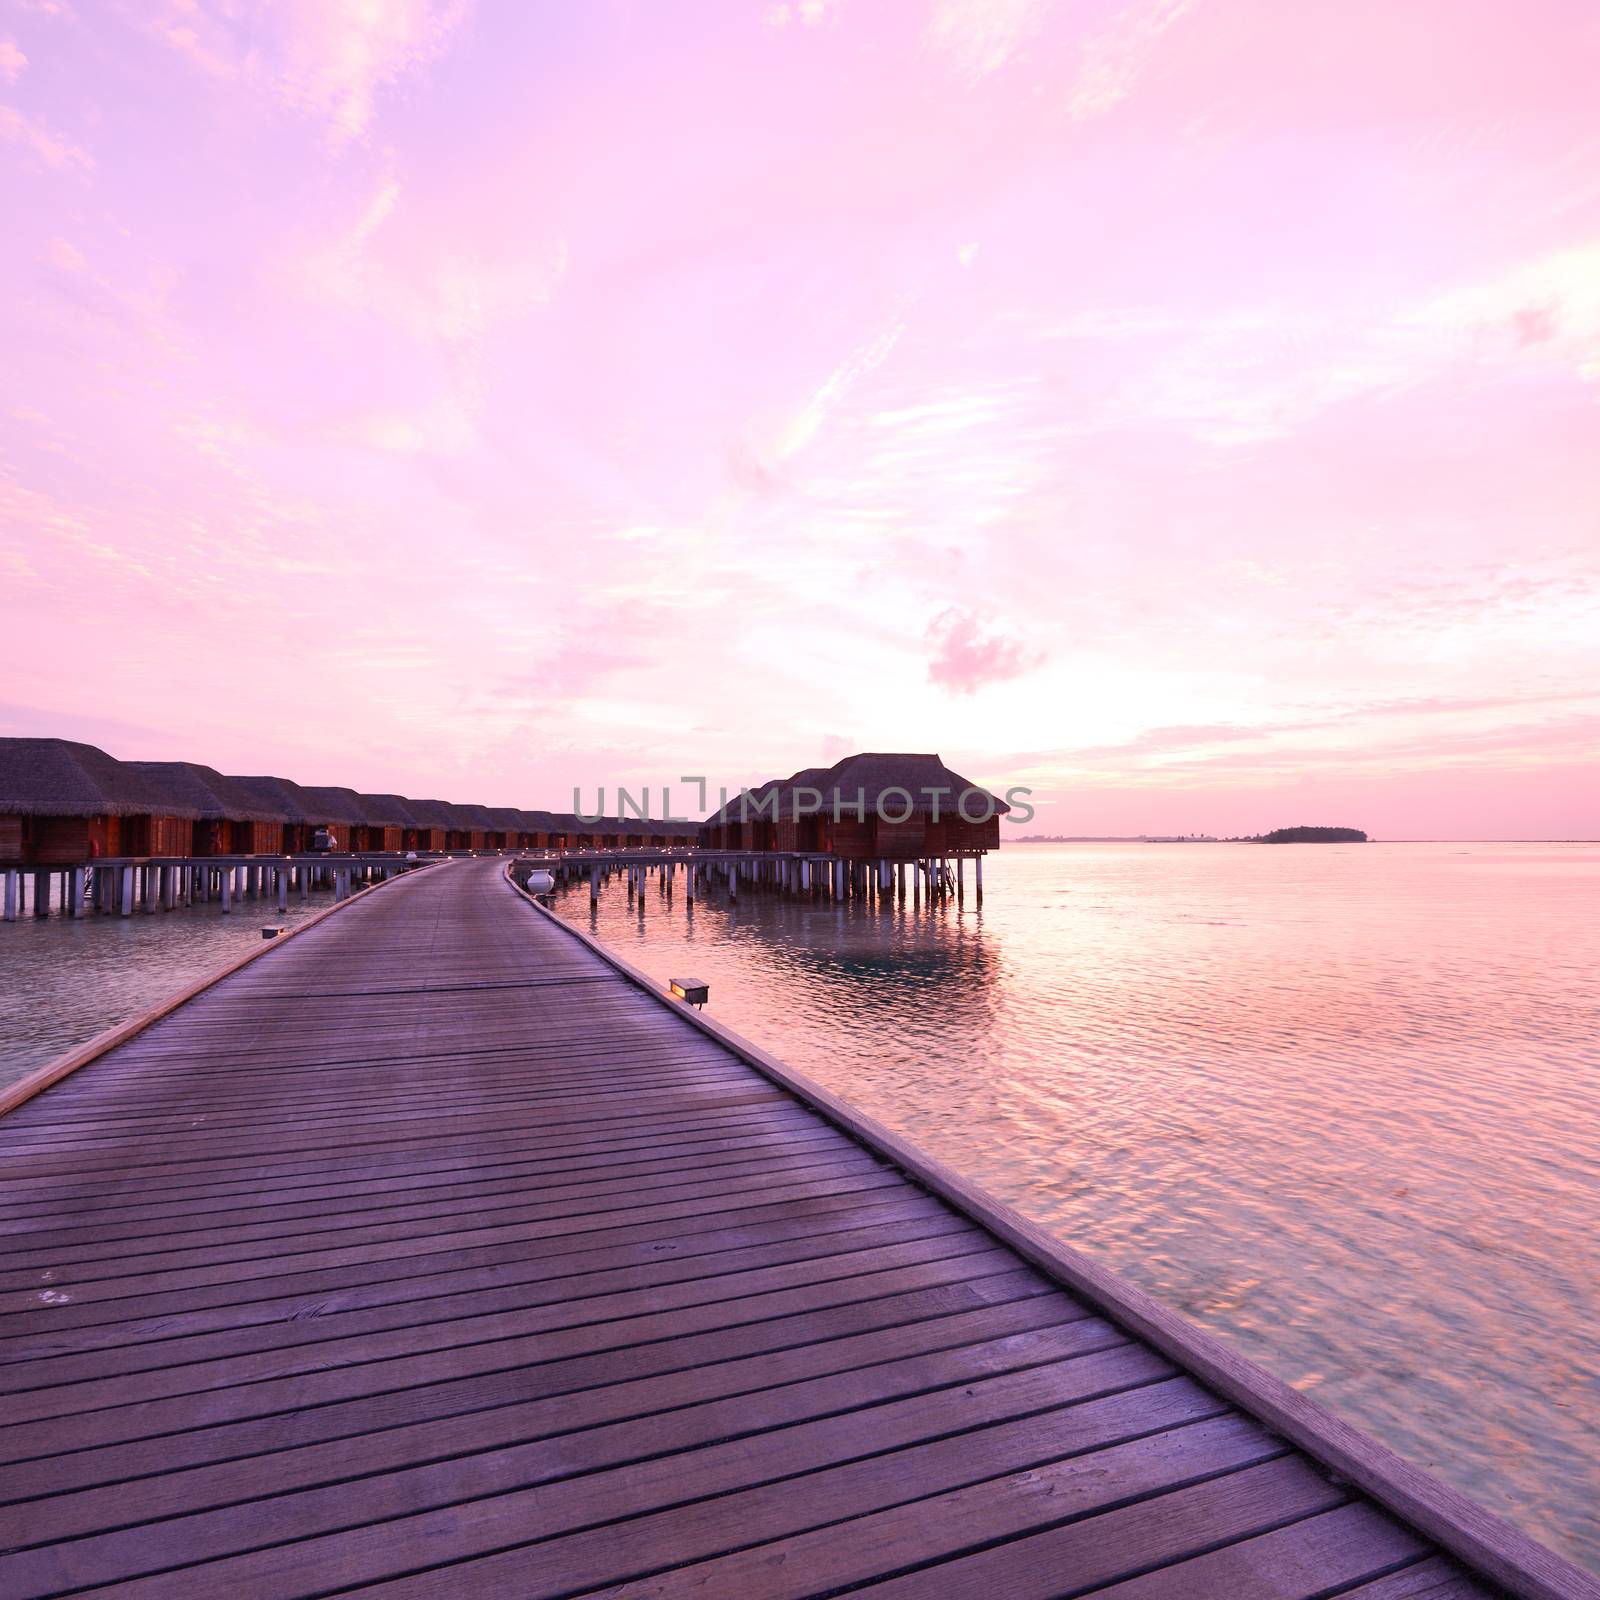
x,y
691,991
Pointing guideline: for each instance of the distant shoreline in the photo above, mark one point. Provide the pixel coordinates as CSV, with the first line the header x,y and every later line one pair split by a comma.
x,y
1163,838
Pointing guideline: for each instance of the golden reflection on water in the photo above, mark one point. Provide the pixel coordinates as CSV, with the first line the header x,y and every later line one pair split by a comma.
x,y
1339,1104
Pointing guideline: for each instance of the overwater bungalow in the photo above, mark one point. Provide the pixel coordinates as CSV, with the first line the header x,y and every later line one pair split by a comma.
x,y
389,820
62,803
745,822
286,799
469,826
873,807
342,813
565,831
535,830
914,806
505,831
796,828
231,819
431,828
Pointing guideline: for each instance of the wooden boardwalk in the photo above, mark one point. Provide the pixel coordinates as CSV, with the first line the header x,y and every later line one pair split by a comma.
x,y
428,1255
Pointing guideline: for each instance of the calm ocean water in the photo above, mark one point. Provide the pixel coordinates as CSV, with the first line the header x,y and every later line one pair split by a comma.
x,y
1339,1104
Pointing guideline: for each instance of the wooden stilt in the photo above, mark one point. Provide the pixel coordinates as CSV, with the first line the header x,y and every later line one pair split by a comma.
x,y
13,882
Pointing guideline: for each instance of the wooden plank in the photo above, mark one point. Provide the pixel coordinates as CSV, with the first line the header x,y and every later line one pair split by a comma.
x,y
288,1389
580,1391
190,1367
1082,1553
605,1524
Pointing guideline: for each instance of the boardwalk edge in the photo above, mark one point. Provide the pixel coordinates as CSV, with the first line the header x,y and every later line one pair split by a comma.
x,y
1484,1542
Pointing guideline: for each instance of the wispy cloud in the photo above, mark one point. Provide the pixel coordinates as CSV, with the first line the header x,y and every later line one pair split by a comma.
x,y
865,358
330,59
12,61
1114,58
804,13
979,37
339,55
38,140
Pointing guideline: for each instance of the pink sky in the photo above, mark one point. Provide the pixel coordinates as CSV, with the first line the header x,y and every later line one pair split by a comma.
x,y
1188,408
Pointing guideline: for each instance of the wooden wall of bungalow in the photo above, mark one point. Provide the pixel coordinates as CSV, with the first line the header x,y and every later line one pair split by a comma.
x,y
917,838
43,840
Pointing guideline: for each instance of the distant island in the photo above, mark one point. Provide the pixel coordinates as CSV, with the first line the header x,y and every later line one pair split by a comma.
x,y
1305,835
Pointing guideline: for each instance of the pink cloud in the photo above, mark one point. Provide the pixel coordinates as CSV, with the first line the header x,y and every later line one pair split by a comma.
x,y
968,656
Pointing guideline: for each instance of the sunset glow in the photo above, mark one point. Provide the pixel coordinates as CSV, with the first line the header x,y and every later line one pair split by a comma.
x,y
1188,408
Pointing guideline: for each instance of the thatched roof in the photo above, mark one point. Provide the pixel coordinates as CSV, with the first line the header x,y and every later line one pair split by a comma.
x,y
206,792
537,822
57,777
61,778
429,813
389,811
337,805
284,796
874,773
740,809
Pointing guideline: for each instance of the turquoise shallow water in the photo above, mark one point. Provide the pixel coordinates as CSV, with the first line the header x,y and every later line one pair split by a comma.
x,y
1339,1104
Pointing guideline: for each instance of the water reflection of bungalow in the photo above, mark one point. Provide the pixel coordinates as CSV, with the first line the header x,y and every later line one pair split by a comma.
x,y
62,803
231,820
341,812
431,831
286,799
